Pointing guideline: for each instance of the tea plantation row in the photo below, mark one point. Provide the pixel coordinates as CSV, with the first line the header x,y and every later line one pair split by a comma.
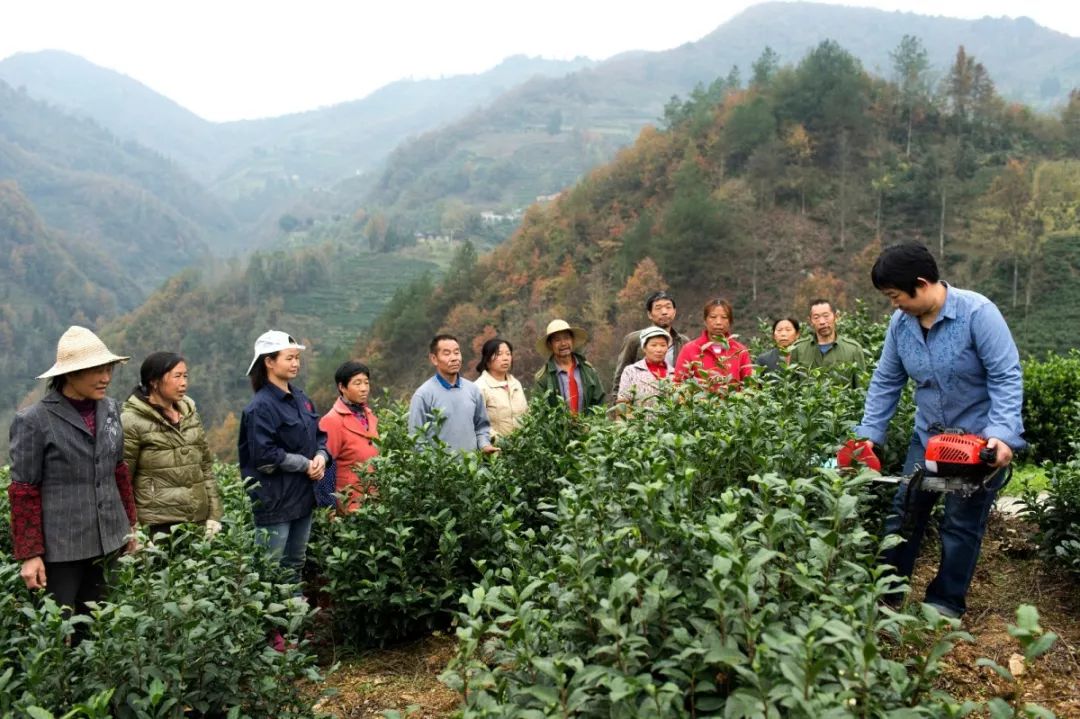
x,y
694,561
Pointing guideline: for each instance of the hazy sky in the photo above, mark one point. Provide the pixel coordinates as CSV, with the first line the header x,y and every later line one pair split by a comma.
x,y
230,59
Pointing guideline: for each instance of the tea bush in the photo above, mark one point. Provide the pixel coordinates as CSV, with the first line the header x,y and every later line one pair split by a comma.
x,y
678,578
183,632
396,567
1057,514
1051,409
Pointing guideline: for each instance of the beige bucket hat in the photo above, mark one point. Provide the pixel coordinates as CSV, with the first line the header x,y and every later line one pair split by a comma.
x,y
79,348
580,335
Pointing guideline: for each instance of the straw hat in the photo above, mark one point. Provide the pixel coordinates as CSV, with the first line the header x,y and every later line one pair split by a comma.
x,y
580,335
79,348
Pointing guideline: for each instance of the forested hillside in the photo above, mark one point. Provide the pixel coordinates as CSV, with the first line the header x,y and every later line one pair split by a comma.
x,y
49,280
262,165
546,134
775,191
129,202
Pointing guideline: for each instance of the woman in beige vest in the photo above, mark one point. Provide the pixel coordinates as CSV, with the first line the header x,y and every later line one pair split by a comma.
x,y
503,394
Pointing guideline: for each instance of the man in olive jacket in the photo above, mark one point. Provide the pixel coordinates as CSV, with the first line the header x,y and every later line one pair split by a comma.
x,y
171,466
825,348
567,376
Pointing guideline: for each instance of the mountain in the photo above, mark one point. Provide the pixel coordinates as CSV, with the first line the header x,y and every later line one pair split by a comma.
x,y
50,280
772,194
134,205
123,106
256,164
540,137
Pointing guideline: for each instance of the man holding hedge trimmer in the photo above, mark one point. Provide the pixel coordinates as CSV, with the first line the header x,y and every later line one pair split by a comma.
x,y
957,348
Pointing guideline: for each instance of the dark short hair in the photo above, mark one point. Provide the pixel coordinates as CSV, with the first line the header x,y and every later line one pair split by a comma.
x,y
659,295
794,323
489,350
259,376
899,267
820,301
154,368
718,302
56,382
434,346
348,370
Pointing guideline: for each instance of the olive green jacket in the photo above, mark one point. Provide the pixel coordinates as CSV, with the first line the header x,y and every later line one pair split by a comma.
x,y
171,467
547,381
805,352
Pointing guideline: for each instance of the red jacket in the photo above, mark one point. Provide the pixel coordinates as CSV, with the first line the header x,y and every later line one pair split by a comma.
x,y
350,445
719,366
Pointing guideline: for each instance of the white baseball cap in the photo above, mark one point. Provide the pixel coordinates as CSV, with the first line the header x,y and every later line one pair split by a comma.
x,y
273,341
649,332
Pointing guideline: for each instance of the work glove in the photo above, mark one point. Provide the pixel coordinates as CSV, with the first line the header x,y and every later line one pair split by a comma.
x,y
212,528
860,451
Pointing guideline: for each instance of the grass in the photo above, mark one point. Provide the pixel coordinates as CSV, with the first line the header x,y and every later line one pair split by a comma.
x,y
1026,476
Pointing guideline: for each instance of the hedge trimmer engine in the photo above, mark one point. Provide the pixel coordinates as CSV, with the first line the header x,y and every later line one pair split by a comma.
x,y
955,461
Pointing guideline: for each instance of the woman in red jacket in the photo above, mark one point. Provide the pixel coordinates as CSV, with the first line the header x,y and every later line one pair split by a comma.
x,y
715,359
351,430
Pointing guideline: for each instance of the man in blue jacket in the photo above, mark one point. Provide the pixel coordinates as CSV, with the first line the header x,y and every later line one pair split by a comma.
x,y
957,348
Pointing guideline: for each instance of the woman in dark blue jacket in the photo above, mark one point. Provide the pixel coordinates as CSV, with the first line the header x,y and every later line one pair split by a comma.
x,y
282,449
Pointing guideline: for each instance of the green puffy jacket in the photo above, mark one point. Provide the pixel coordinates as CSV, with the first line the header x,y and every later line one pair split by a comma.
x,y
171,467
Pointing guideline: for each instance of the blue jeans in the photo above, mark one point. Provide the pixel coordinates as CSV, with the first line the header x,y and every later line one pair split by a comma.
x,y
961,533
287,543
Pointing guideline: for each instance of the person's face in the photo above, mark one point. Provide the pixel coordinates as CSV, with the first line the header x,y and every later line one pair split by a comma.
x,y
662,313
447,358
718,322
562,344
173,386
915,305
655,349
285,366
502,359
823,320
89,383
357,390
784,334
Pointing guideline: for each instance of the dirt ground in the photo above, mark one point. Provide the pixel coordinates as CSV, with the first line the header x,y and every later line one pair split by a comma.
x,y
406,678
1007,576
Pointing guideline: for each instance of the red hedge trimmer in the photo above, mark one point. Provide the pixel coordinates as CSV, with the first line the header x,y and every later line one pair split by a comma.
x,y
955,461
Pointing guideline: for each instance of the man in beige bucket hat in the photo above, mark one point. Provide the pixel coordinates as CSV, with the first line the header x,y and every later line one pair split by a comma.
x,y
567,376
72,504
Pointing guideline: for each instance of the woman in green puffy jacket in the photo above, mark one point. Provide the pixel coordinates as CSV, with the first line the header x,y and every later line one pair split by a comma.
x,y
166,451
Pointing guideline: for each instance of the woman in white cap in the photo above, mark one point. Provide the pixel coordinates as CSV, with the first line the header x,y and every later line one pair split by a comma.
x,y
282,451
643,380
72,506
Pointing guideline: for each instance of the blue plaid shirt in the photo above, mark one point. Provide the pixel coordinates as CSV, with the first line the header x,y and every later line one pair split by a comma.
x,y
966,371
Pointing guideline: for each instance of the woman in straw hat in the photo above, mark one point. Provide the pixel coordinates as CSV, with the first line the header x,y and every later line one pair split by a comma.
x,y
72,506
282,449
166,451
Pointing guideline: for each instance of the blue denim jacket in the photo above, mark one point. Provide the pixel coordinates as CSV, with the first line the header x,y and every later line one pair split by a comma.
x,y
967,373
276,429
